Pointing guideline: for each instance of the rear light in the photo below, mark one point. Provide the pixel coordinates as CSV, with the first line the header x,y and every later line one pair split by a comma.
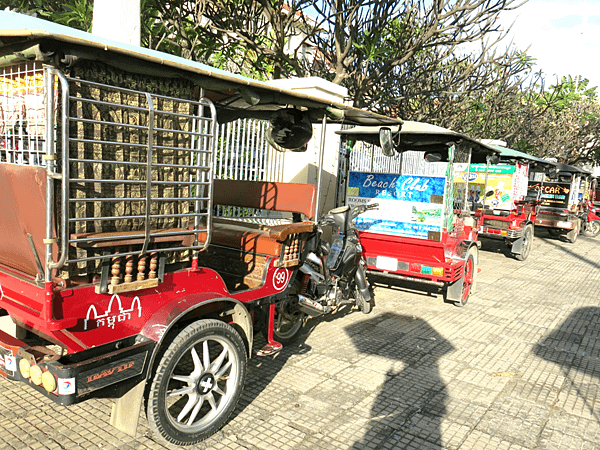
x,y
24,368
49,382
35,374
414,267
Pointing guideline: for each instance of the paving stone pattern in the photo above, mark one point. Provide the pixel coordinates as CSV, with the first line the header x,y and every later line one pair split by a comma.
x,y
517,368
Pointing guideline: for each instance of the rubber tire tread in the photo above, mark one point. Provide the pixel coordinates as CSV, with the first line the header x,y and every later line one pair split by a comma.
x,y
182,340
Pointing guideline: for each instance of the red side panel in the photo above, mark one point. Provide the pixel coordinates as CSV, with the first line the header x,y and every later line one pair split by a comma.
x,y
404,249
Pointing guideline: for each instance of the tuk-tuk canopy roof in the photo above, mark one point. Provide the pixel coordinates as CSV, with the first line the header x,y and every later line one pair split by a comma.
x,y
419,136
24,38
508,154
571,169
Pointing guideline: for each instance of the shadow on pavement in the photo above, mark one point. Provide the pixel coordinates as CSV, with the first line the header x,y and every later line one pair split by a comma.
x,y
412,287
575,347
410,405
491,245
552,241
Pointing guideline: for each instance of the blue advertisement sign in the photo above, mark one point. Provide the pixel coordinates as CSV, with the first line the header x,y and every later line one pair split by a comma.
x,y
395,187
410,206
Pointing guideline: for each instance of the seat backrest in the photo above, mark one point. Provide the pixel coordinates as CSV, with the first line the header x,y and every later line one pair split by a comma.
x,y
273,196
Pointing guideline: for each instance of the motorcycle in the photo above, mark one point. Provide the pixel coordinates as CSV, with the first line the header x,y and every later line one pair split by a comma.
x,y
331,275
591,220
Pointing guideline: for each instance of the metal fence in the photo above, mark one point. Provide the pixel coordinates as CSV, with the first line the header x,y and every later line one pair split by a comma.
x,y
243,152
365,157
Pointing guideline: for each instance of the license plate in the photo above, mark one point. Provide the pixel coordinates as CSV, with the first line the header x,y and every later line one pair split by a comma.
x,y
564,224
386,263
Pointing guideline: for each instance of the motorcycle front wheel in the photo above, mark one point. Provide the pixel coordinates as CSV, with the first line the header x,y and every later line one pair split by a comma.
x,y
289,320
592,228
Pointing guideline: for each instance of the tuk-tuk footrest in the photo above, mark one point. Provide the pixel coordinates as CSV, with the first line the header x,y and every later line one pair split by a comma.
x,y
270,349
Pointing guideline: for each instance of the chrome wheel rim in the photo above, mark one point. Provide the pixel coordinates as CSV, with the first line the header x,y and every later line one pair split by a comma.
x,y
201,384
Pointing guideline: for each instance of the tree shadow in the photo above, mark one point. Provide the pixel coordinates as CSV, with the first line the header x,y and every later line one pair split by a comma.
x,y
408,409
262,399
574,346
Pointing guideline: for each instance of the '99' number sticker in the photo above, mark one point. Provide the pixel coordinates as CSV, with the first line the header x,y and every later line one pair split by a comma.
x,y
280,279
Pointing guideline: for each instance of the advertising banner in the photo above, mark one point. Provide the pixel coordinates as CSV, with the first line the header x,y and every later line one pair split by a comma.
x,y
554,194
507,183
409,206
499,182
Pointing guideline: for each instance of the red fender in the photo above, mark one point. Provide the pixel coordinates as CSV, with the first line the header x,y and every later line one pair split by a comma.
x,y
159,324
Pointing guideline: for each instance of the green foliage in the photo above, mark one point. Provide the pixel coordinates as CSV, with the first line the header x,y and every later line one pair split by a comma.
x,y
73,13
570,89
402,58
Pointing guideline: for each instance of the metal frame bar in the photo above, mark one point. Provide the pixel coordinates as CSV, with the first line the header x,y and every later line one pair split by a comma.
x,y
201,151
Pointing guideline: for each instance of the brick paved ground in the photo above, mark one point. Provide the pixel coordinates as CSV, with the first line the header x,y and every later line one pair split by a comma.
x,y
517,368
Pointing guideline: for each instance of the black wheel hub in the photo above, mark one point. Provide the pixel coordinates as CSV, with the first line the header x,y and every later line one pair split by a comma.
x,y
205,384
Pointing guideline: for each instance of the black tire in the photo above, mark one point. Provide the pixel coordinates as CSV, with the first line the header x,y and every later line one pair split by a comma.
x,y
592,229
527,243
197,383
467,279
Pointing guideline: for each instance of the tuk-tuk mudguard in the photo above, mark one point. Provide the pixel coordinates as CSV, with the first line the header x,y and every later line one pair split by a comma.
x,y
517,244
454,290
163,320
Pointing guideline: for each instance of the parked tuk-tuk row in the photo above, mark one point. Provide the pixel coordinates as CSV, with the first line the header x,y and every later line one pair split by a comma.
x,y
118,278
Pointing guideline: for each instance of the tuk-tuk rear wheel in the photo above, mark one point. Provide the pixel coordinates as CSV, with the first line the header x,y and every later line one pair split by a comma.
x,y
197,382
468,279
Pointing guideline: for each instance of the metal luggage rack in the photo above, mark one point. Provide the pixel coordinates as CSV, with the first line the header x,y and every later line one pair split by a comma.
x,y
136,178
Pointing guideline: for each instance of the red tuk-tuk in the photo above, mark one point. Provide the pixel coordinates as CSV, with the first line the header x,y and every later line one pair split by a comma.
x,y
509,209
116,278
423,230
562,197
591,210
